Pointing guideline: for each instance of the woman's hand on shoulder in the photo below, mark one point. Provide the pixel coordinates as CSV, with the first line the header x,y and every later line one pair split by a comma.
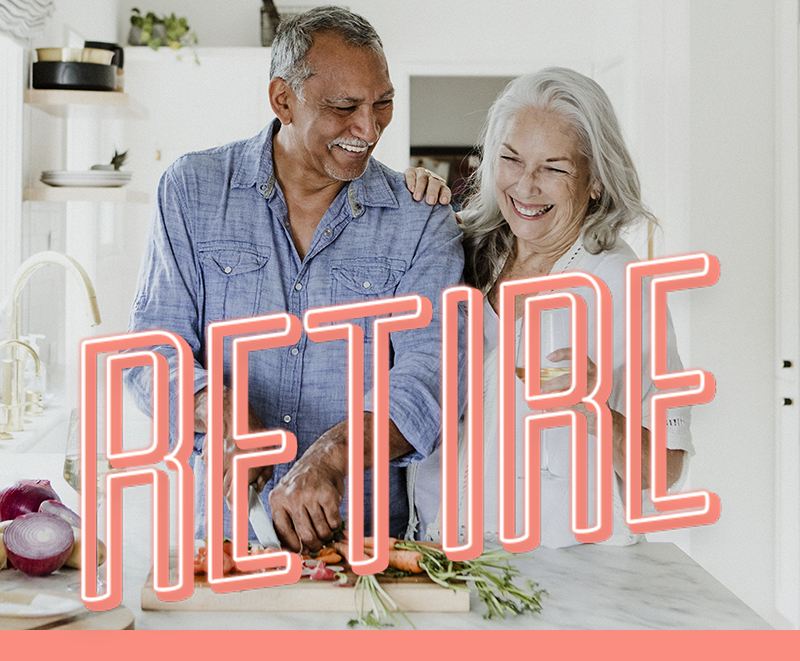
x,y
421,182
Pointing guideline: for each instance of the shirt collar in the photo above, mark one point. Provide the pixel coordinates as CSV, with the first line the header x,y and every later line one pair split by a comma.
x,y
255,165
256,168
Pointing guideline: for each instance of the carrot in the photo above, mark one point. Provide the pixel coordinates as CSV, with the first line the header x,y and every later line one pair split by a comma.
x,y
201,559
405,560
369,542
342,549
330,558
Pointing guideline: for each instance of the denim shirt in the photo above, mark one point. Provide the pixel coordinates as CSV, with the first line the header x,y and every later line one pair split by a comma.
x,y
220,247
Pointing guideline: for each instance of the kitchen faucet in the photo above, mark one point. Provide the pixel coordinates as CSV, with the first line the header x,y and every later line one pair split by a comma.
x,y
14,384
10,406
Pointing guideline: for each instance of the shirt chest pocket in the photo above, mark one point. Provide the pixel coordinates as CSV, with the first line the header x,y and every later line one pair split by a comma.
x,y
362,279
234,276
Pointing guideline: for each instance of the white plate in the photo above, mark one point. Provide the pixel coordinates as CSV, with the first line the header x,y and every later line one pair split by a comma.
x,y
87,173
86,178
32,603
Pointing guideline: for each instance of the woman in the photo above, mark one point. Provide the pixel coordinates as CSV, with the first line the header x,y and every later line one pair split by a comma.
x,y
554,190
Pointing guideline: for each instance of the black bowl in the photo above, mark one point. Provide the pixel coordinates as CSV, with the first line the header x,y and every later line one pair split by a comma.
x,y
74,76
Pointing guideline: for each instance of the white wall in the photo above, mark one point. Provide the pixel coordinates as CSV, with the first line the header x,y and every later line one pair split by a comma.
x,y
732,188
92,20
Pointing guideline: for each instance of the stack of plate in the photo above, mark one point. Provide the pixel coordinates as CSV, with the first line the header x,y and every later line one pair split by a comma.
x,y
86,178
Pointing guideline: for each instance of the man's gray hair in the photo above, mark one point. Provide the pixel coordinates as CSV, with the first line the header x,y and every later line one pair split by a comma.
x,y
583,103
296,34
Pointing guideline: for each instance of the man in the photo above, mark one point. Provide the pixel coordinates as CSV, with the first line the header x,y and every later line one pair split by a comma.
x,y
301,217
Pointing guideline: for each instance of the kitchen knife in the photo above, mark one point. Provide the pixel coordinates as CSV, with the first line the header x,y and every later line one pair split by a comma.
x,y
261,521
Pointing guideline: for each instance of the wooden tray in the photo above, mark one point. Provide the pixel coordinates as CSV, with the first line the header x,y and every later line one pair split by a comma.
x,y
412,594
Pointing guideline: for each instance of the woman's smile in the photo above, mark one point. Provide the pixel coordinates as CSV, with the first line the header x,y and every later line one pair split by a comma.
x,y
531,210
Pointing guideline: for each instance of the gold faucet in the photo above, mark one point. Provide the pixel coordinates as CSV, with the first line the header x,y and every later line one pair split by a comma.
x,y
14,384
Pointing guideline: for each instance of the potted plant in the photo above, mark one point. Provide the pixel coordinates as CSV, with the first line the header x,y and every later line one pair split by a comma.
x,y
156,31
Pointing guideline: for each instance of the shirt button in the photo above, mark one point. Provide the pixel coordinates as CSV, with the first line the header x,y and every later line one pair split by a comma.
x,y
327,232
298,286
287,418
228,269
367,284
295,351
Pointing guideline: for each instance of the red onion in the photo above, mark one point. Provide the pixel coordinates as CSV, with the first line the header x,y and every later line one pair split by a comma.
x,y
59,509
24,497
38,543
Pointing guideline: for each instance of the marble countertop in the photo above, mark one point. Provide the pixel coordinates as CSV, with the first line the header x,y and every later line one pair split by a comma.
x,y
645,586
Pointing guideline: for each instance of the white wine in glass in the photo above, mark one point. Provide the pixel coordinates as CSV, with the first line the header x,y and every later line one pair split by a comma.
x,y
72,465
545,373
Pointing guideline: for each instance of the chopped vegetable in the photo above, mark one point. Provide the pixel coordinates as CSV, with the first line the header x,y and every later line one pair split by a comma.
x,y
59,509
322,573
24,497
3,554
38,544
330,558
201,559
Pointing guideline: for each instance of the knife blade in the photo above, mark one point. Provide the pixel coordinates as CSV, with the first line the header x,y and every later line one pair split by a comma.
x,y
261,521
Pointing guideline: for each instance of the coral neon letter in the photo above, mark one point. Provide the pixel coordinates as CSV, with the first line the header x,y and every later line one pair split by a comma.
x,y
678,510
266,332
595,401
136,466
331,323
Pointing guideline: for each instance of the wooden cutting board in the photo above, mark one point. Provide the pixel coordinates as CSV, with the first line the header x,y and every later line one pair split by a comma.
x,y
412,594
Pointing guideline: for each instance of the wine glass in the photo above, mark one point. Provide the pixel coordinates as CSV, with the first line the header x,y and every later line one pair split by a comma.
x,y
72,476
555,333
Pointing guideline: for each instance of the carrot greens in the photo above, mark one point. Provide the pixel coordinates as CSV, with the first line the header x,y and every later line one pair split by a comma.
x,y
492,576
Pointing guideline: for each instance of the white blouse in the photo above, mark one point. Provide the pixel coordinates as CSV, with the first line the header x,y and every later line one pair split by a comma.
x,y
424,478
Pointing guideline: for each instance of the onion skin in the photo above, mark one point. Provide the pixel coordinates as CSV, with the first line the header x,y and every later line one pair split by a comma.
x,y
25,497
38,544
59,509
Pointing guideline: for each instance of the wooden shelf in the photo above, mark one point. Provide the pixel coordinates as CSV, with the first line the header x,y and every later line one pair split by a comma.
x,y
79,194
56,102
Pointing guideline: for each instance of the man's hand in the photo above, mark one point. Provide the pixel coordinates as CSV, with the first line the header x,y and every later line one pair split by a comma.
x,y
258,476
305,503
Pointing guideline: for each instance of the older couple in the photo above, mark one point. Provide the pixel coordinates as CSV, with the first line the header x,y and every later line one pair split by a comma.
x,y
301,216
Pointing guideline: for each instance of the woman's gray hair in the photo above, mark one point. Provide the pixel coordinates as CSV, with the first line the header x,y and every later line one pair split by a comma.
x,y
296,34
581,101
